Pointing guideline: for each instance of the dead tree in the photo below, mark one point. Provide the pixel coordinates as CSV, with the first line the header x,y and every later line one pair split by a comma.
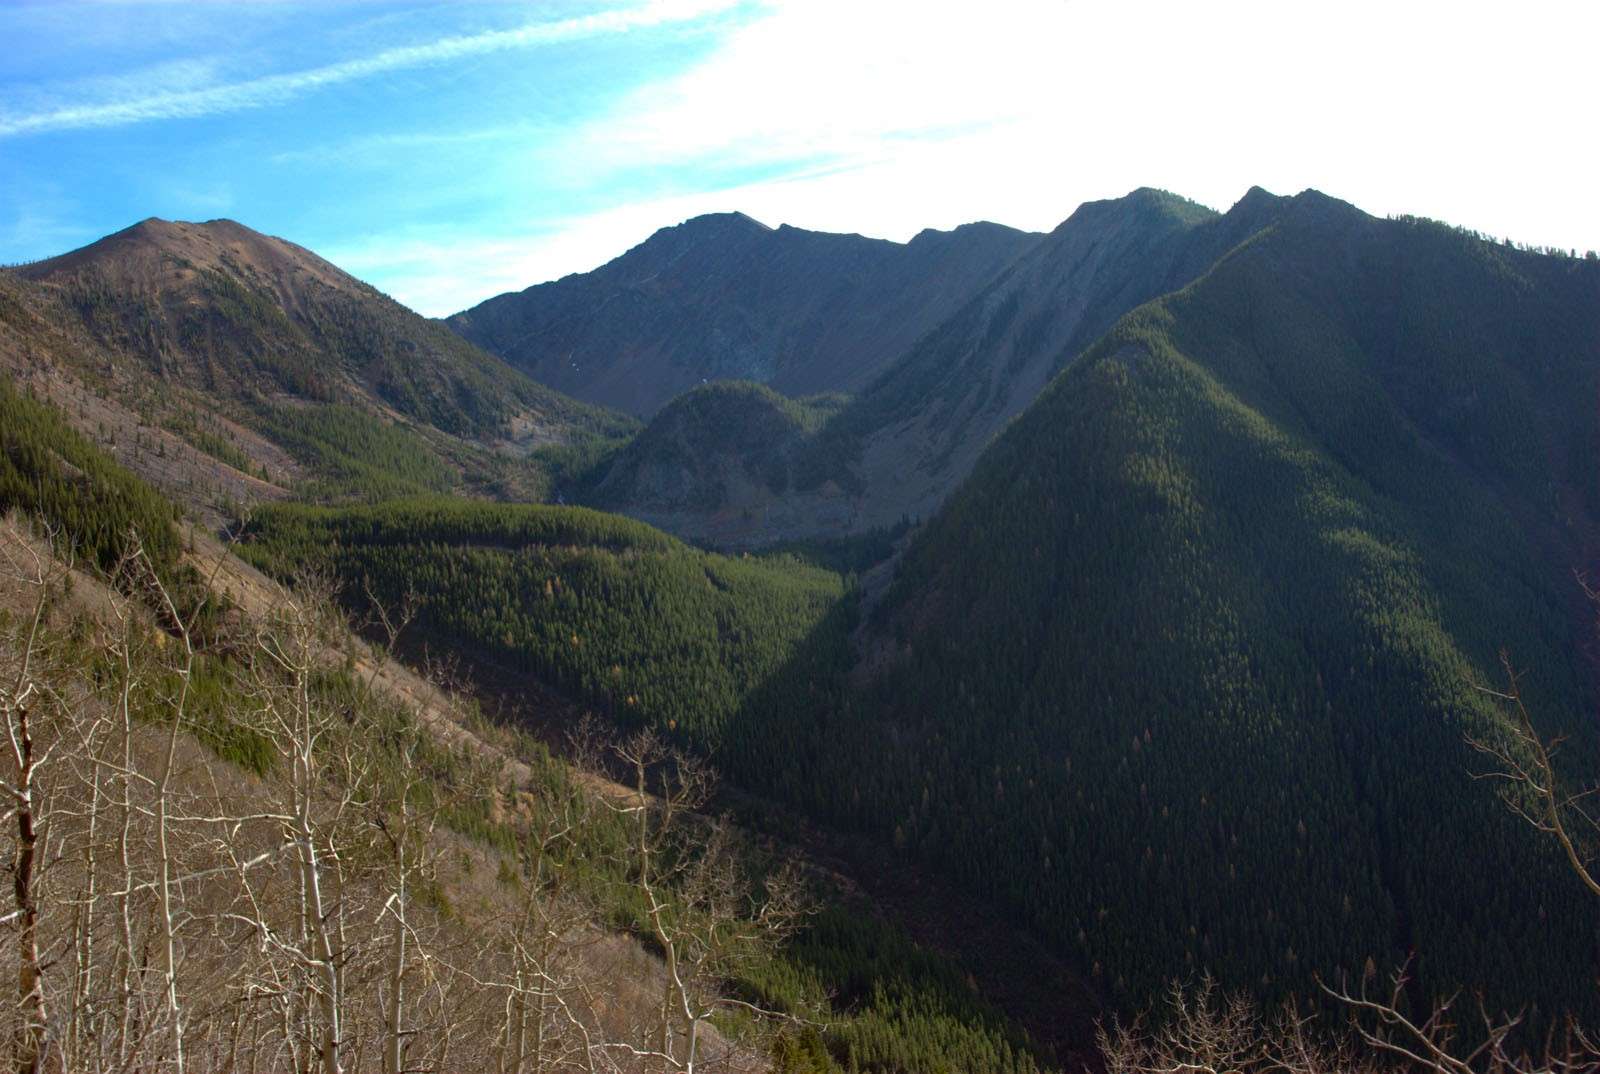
x,y
323,777
26,697
705,914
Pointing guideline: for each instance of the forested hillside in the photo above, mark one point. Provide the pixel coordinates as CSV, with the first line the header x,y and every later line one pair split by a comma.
x,y
629,621
724,297
1182,675
1184,670
472,902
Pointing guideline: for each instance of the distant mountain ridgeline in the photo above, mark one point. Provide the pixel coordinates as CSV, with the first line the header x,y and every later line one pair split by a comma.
x,y
723,297
908,435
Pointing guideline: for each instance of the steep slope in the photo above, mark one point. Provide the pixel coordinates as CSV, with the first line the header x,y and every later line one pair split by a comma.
x,y
1183,671
723,297
239,314
228,367
911,435
898,448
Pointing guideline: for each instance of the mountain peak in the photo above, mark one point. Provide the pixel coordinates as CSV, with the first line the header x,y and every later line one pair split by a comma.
x,y
732,223
150,225
974,229
1258,208
1259,195
1142,203
157,229
1317,205
675,240
157,253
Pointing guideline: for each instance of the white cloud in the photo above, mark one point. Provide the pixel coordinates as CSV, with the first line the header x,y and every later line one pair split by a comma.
x,y
887,117
1020,109
837,78
376,148
162,101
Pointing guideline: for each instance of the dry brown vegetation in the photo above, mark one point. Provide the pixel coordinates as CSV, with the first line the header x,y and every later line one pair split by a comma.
x,y
262,863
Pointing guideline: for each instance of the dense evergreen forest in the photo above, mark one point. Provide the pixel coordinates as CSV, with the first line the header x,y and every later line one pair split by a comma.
x,y
1184,669
708,441
633,623
48,469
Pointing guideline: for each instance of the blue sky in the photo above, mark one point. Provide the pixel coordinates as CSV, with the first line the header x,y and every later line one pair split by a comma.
x,y
447,152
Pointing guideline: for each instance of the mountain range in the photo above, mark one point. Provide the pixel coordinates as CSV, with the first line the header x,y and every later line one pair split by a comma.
x,y
724,297
913,429
1145,582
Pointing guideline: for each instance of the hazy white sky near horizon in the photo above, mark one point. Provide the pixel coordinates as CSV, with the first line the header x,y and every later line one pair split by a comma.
x,y
447,153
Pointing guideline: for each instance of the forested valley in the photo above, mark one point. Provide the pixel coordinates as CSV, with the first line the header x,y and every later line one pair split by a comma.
x,y
1249,669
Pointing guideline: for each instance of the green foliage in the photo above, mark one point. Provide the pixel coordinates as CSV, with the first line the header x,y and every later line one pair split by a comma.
x,y
1183,669
429,373
619,616
846,555
575,466
209,440
891,1005
213,704
355,455
47,469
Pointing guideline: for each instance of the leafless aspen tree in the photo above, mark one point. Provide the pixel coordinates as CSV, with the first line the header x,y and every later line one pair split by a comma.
x,y
1203,1031
313,806
27,704
716,918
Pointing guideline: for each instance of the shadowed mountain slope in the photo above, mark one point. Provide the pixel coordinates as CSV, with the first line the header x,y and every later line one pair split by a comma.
x,y
1183,670
714,448
723,297
899,446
